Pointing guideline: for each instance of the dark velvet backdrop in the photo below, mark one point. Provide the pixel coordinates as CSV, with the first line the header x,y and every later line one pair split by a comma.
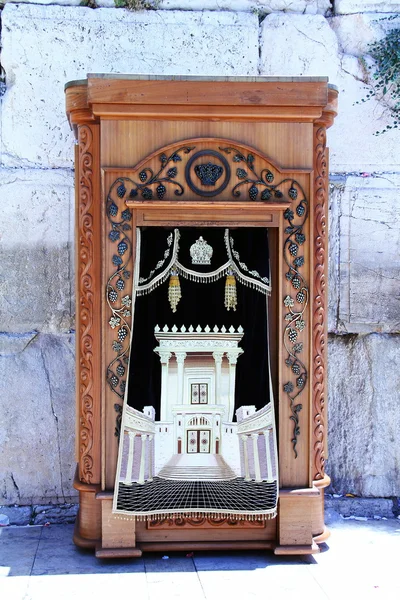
x,y
202,304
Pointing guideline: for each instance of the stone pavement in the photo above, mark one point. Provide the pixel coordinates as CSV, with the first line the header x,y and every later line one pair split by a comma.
x,y
360,561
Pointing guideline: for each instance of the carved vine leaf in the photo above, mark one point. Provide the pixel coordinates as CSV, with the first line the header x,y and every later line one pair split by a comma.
x,y
260,186
295,303
118,300
118,420
153,184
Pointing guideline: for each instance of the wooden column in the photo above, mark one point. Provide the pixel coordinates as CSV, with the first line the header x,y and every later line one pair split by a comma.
x,y
88,307
320,303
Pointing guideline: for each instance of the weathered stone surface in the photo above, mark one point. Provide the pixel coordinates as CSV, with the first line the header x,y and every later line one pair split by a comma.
x,y
345,7
360,507
45,46
354,147
364,419
296,45
369,222
335,193
356,32
262,6
36,233
37,421
100,3
306,45
64,513
38,206
39,514
36,288
17,515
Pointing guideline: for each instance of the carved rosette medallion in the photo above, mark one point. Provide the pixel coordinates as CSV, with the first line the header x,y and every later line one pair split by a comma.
x,y
320,301
207,178
295,329
85,309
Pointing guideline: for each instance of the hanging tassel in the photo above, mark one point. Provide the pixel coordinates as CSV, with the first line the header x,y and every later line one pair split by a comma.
x,y
230,291
174,290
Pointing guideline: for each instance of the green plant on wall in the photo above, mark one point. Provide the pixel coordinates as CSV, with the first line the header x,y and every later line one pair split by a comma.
x,y
385,74
138,4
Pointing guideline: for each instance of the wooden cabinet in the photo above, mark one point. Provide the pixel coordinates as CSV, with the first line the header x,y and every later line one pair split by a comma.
x,y
123,125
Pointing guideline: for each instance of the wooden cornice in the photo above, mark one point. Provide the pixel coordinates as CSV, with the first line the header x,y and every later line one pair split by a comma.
x,y
298,99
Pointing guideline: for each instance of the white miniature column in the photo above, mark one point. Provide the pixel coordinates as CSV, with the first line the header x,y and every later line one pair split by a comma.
x,y
142,458
232,357
150,448
128,475
267,435
218,374
246,458
257,471
164,358
180,359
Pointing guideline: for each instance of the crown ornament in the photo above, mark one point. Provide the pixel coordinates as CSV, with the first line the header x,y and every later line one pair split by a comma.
x,y
201,252
208,173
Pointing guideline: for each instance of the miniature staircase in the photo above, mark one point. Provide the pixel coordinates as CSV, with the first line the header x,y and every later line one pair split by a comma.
x,y
197,467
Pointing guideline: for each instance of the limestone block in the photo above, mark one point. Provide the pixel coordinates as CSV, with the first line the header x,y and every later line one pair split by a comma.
x,y
36,233
43,47
262,6
64,513
17,515
353,145
369,264
306,45
360,507
47,2
345,7
364,419
335,193
37,420
296,45
356,32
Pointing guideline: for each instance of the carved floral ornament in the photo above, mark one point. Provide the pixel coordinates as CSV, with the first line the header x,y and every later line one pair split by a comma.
x,y
248,182
207,173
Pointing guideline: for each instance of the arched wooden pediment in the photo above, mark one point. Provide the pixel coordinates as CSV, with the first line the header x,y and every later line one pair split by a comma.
x,y
206,169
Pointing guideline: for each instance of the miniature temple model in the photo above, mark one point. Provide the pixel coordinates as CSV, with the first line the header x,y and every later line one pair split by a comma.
x,y
196,437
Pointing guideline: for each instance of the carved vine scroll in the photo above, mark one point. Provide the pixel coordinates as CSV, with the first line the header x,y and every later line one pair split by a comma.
x,y
185,522
320,300
85,316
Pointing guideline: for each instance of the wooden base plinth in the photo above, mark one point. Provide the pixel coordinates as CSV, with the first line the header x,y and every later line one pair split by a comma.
x,y
320,532
87,530
118,534
321,539
294,550
199,546
295,517
117,552
298,529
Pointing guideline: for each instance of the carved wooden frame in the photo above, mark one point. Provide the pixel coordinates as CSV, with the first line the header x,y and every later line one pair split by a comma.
x,y
87,104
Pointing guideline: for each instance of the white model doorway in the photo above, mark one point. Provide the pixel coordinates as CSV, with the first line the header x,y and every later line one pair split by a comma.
x,y
198,441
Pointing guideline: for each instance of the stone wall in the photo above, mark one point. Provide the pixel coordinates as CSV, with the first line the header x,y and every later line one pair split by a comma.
x,y
44,46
